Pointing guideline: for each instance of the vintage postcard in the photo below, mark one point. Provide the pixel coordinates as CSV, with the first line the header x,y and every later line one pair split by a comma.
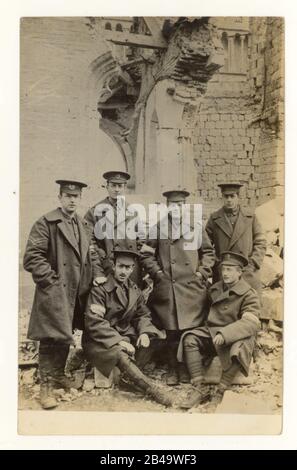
x,y
151,225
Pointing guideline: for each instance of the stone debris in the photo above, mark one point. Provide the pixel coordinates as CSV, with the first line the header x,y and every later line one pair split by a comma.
x,y
106,382
264,384
59,392
268,342
272,304
28,349
89,385
272,269
271,215
28,376
273,327
66,397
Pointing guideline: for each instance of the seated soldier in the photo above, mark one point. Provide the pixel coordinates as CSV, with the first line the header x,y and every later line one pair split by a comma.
x,y
117,323
230,329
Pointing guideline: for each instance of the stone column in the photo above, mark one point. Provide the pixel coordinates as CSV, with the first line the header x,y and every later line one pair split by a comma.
x,y
231,52
242,54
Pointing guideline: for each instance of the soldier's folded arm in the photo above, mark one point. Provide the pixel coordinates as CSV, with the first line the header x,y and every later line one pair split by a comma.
x,y
97,256
35,257
248,324
148,258
96,325
207,256
259,244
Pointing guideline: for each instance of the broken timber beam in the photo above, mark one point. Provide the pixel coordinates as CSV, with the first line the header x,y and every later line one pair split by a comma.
x,y
135,40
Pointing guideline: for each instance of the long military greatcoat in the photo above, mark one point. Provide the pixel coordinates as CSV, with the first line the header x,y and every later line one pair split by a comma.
x,y
246,238
235,314
111,317
179,297
62,272
105,245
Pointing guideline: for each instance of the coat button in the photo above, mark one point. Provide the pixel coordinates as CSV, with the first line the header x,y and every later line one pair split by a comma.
x,y
172,262
173,280
187,263
64,264
64,285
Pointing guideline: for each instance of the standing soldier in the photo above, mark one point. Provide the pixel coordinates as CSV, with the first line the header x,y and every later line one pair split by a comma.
x,y
233,228
57,255
179,298
104,216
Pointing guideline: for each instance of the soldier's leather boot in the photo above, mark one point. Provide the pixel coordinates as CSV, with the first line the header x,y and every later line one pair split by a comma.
x,y
184,376
46,395
196,397
47,398
225,382
149,386
172,376
59,356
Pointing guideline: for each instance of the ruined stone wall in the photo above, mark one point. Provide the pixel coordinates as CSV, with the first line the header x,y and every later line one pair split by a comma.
x,y
239,131
266,82
60,135
223,144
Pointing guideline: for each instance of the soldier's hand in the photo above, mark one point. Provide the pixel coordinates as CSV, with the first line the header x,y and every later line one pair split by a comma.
x,y
158,275
143,341
129,348
99,280
199,275
218,340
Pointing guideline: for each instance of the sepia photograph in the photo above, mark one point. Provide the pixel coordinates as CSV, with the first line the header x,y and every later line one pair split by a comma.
x,y
151,236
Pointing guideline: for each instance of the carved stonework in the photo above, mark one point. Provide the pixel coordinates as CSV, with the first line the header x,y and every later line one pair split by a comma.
x,y
184,53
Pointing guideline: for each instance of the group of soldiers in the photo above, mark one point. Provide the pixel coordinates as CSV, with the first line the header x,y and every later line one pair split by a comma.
x,y
204,302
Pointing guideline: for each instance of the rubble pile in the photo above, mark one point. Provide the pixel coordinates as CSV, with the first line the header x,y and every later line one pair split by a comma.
x,y
271,215
264,387
27,348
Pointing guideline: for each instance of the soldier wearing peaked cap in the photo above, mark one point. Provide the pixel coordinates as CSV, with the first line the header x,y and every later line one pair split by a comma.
x,y
179,298
234,228
230,329
118,326
57,255
104,215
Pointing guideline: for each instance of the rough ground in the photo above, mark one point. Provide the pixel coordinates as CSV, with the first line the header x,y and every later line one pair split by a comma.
x,y
264,395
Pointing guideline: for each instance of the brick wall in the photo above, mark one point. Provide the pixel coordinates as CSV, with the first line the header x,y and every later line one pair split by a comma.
x,y
60,135
239,131
266,82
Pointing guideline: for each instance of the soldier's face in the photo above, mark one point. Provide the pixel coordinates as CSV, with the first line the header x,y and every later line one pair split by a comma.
x,y
175,208
69,202
123,268
231,201
230,274
115,189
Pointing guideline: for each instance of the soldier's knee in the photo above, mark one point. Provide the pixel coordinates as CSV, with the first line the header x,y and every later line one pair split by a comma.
x,y
191,341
